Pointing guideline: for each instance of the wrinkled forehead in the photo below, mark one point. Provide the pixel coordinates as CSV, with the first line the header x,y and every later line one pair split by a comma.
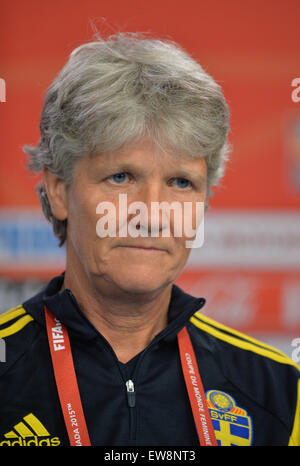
x,y
147,157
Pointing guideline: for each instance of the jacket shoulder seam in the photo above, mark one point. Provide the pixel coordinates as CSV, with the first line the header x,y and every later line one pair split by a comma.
x,y
240,340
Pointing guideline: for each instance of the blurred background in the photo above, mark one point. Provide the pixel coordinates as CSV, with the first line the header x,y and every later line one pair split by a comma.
x,y
249,266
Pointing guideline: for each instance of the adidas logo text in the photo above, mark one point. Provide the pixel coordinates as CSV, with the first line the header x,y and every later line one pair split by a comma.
x,y
29,432
35,441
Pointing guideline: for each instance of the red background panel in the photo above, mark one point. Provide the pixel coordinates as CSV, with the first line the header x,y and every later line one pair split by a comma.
x,y
251,48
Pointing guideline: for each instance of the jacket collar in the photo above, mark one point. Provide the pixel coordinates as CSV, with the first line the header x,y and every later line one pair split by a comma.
x,y
64,306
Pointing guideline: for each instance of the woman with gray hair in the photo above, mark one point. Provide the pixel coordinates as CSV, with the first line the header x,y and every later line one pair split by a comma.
x,y
112,352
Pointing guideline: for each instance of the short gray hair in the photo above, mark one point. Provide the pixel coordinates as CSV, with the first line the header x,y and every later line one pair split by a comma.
x,y
118,91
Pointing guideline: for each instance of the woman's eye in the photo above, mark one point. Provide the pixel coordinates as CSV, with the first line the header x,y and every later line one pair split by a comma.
x,y
182,183
119,177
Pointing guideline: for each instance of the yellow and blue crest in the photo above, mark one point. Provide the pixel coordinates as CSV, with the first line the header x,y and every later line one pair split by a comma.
x,y
231,423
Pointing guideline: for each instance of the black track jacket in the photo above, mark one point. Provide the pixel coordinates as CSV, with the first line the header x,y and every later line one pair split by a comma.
x,y
252,389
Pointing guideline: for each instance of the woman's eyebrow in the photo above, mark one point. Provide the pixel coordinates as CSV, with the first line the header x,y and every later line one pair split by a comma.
x,y
190,174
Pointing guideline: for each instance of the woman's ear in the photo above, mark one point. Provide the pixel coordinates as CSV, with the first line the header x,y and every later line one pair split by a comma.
x,y
56,193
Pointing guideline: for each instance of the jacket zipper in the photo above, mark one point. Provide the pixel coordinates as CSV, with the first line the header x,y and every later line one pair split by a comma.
x,y
130,393
131,403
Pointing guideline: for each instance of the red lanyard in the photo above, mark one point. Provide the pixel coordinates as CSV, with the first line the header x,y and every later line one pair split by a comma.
x,y
195,390
69,396
66,381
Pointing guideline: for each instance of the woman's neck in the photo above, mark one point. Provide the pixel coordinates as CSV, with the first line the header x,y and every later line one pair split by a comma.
x,y
128,322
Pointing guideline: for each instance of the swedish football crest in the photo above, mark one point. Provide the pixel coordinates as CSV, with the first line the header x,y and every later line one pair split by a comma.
x,y
232,425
